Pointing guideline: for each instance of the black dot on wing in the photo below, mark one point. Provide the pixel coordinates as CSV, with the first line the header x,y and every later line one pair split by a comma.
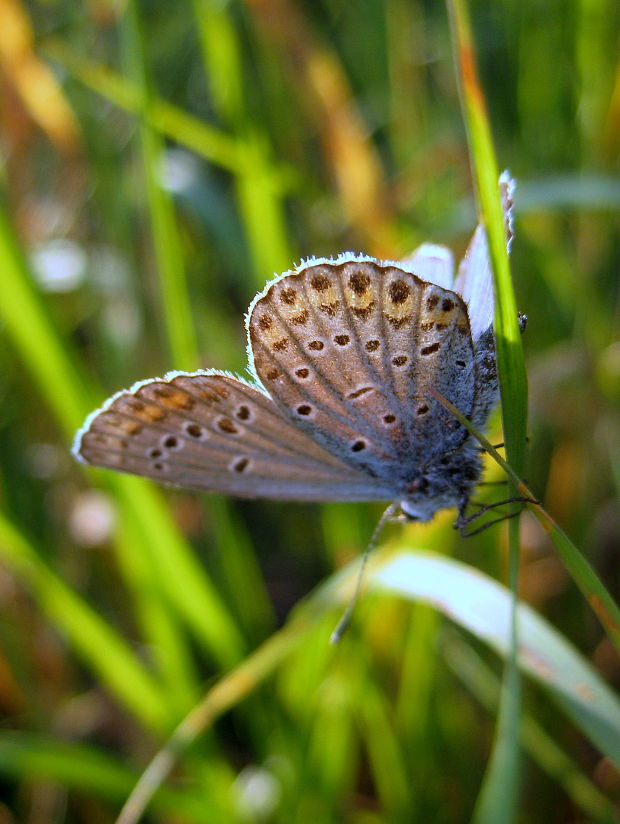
x,y
358,446
389,418
330,309
226,425
320,283
304,409
342,340
243,413
316,345
372,345
194,430
428,350
302,373
241,464
398,291
301,319
359,283
171,442
363,312
155,453
288,296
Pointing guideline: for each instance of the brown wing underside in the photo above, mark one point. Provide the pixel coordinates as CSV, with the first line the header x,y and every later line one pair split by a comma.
x,y
212,432
349,350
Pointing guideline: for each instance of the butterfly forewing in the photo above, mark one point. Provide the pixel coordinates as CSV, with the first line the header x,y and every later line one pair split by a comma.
x,y
213,432
349,349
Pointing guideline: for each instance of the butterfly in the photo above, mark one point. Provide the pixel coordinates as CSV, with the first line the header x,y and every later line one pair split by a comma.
x,y
342,355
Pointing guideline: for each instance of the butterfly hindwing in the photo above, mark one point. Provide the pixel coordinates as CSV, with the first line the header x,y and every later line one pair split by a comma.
x,y
349,349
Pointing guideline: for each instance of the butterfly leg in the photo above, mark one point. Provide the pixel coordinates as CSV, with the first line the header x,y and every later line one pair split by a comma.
x,y
387,517
463,521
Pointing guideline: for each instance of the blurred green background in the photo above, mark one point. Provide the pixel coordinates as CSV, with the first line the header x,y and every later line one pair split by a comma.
x,y
161,162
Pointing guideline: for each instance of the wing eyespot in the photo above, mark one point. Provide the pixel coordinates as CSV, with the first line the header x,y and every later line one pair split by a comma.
x,y
195,431
172,442
240,464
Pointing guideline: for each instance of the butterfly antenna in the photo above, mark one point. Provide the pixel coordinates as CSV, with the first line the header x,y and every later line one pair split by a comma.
x,y
374,539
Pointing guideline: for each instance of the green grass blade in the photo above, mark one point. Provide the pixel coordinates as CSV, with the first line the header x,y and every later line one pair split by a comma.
x,y
169,120
483,606
261,183
93,772
181,577
482,682
22,314
510,363
260,193
389,766
328,758
90,636
176,309
241,571
258,181
160,626
221,52
497,803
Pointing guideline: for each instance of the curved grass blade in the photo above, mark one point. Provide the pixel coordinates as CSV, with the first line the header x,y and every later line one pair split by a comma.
x,y
483,606
469,598
478,677
497,801
580,570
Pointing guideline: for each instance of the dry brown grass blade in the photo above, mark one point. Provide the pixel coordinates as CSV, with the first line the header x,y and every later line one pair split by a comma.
x,y
33,82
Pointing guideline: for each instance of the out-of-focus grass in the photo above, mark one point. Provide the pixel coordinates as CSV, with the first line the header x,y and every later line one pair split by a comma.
x,y
236,139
